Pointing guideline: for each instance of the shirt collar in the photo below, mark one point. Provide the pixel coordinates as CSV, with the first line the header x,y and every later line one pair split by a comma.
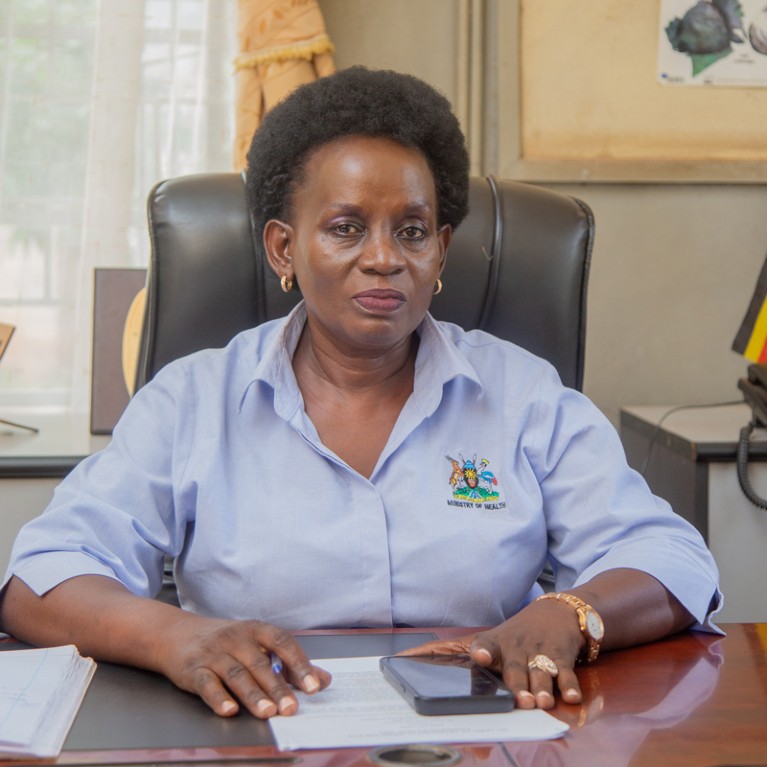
x,y
438,361
275,367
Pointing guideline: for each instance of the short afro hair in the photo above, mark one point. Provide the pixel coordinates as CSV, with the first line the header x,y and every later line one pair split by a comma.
x,y
356,101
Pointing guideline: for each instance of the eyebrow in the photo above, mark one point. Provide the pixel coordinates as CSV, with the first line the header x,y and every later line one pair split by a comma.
x,y
412,208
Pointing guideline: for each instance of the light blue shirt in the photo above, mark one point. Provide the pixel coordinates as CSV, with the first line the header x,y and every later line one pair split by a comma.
x,y
492,467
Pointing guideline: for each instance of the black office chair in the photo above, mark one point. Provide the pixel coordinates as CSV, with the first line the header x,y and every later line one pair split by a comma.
x,y
517,267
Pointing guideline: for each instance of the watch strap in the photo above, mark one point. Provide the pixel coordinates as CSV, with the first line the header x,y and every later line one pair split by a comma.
x,y
583,611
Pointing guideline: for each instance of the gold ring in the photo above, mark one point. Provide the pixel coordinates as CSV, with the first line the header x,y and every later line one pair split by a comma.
x,y
544,663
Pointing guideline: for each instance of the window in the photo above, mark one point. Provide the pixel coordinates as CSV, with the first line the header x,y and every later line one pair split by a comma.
x,y
98,102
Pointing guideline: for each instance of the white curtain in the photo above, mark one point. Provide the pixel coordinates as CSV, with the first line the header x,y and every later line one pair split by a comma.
x,y
98,102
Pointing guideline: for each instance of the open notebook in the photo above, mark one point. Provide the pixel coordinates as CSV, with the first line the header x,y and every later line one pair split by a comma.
x,y
40,694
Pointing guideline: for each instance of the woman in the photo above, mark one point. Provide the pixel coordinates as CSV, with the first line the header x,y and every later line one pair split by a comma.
x,y
299,477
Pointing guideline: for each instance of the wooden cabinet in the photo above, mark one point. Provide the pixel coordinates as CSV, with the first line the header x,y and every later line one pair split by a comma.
x,y
689,458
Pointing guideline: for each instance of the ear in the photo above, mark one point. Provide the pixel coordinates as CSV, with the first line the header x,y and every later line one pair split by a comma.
x,y
278,237
444,235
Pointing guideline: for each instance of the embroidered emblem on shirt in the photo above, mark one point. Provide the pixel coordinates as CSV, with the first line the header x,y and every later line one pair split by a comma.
x,y
473,484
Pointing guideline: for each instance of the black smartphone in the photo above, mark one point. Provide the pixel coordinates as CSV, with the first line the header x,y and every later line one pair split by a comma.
x,y
446,684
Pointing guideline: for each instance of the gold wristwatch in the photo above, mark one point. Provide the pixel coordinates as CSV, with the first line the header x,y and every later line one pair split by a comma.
x,y
589,621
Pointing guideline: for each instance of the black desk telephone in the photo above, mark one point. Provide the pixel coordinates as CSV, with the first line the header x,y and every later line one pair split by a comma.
x,y
754,389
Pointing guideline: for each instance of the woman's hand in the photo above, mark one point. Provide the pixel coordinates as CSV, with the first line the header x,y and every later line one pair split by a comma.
x,y
634,606
229,661
542,628
222,661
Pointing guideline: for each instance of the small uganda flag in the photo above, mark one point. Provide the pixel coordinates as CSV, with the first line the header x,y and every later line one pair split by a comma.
x,y
751,340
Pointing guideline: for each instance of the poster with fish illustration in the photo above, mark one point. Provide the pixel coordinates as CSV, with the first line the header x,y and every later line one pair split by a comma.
x,y
713,42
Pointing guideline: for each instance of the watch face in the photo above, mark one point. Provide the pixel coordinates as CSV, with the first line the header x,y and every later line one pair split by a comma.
x,y
594,626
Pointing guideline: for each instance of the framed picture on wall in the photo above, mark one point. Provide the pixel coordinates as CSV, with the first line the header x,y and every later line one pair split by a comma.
x,y
114,292
583,101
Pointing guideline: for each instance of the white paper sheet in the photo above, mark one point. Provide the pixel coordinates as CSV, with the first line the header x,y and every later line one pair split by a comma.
x,y
361,708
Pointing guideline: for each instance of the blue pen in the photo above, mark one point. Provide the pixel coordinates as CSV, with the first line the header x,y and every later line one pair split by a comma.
x,y
276,663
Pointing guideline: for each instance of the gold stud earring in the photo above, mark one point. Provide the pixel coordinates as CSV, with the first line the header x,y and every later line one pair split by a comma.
x,y
438,287
286,284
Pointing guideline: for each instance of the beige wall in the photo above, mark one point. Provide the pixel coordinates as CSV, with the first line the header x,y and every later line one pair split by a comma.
x,y
673,271
674,264
414,36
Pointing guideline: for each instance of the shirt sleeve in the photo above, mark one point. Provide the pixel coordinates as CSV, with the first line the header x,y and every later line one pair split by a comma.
x,y
116,513
601,514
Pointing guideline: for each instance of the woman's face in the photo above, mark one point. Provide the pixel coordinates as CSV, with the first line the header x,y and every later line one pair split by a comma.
x,y
363,242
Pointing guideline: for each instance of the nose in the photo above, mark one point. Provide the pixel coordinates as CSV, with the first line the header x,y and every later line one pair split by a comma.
x,y
382,253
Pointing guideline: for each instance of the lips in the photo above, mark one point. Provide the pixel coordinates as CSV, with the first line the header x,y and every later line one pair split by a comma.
x,y
380,300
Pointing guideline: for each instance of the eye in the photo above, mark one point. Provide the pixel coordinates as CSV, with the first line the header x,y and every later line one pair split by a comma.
x,y
413,232
347,229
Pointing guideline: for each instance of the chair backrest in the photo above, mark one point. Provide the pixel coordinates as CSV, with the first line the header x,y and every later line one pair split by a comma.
x,y
517,267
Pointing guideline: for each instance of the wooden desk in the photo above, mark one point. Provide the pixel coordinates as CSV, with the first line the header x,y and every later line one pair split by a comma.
x,y
695,700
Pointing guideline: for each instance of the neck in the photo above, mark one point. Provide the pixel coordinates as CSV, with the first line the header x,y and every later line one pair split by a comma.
x,y
347,371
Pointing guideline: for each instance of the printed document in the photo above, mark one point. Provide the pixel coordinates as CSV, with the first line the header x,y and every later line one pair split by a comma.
x,y
40,694
361,708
